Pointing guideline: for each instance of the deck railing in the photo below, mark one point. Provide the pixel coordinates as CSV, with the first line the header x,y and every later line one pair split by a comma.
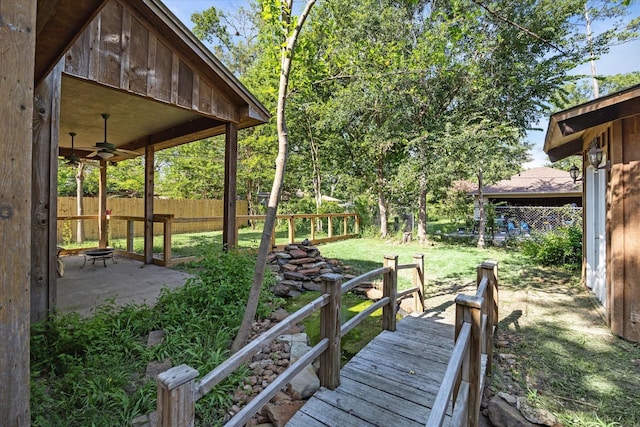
x,y
476,320
178,389
129,231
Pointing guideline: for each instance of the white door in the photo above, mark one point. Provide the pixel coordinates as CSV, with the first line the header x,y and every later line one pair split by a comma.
x,y
595,243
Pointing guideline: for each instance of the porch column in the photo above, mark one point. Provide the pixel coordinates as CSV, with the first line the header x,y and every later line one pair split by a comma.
x,y
102,205
16,119
149,185
229,231
44,202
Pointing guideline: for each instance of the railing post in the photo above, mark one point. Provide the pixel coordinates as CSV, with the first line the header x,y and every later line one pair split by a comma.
x,y
468,309
330,226
292,229
166,250
418,282
357,219
390,289
313,229
176,403
345,227
329,372
130,236
490,270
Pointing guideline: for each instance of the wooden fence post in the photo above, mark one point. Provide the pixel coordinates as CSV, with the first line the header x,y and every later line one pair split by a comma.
x,y
357,219
329,372
345,227
292,229
166,250
390,289
330,226
176,404
313,229
468,310
490,270
418,281
130,234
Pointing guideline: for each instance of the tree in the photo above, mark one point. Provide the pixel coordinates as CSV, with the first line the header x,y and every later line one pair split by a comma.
x,y
279,14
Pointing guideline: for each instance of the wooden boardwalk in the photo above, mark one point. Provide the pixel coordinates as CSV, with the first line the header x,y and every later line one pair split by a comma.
x,y
393,381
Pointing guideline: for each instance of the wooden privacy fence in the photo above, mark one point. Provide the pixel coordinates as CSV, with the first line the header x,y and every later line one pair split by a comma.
x,y
178,389
470,362
134,207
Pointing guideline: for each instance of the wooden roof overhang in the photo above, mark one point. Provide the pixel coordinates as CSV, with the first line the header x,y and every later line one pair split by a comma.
x,y
569,129
137,62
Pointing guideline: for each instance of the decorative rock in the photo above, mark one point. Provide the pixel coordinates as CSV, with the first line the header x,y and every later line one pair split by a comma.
x,y
155,338
501,414
536,415
292,284
297,253
310,271
306,382
279,314
281,414
294,294
326,270
291,247
306,242
280,290
154,368
301,261
282,255
311,286
292,275
511,400
274,268
289,267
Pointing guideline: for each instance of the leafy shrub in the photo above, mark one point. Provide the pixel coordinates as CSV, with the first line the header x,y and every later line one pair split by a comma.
x,y
90,371
559,247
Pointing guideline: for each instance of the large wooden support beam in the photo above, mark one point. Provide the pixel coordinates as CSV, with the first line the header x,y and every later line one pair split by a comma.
x,y
44,201
17,38
102,205
229,232
149,188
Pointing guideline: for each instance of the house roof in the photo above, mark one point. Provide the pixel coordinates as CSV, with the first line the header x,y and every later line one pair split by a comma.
x,y
568,129
161,86
537,182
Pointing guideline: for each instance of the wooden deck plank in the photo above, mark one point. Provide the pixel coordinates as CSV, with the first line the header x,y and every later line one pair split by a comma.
x,y
393,380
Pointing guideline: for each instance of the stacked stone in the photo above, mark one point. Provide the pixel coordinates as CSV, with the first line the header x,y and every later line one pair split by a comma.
x,y
298,269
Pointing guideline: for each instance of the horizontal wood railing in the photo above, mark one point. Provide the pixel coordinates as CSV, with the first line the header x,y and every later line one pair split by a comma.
x,y
476,320
178,389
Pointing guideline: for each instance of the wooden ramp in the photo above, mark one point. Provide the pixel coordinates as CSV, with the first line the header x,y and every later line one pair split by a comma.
x,y
393,381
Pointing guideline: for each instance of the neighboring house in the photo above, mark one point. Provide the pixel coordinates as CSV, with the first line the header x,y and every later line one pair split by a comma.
x,y
538,199
605,133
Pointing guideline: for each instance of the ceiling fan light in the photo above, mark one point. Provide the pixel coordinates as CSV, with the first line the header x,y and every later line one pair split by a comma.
x,y
105,155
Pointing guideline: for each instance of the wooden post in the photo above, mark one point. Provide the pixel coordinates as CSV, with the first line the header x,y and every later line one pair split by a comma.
x,y
468,310
313,230
229,235
345,227
357,219
418,282
176,404
102,205
17,37
390,289
149,190
166,252
44,201
330,225
490,270
330,323
292,229
130,234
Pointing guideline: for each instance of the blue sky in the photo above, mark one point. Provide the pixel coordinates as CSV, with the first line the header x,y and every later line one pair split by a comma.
x,y
621,59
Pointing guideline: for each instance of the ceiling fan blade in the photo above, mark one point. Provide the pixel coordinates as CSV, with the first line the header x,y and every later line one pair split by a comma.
x,y
95,153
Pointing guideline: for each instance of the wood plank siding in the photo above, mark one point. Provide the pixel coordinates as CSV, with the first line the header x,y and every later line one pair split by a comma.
x,y
121,49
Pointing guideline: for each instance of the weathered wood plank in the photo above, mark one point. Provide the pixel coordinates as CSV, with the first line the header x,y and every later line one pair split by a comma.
x,y
163,67
110,44
125,46
138,58
185,85
16,117
320,413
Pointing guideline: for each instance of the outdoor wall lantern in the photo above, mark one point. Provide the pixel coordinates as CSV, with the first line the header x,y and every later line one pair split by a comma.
x,y
595,156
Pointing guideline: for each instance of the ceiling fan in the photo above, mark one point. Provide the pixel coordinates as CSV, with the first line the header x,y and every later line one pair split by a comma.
x,y
72,159
106,150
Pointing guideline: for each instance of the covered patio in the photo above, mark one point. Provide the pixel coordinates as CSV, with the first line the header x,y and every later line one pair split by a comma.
x,y
134,81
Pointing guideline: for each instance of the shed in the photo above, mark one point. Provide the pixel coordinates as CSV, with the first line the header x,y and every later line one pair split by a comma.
x,y
611,260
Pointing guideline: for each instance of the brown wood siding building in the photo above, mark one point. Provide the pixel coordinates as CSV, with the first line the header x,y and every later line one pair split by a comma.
x,y
611,123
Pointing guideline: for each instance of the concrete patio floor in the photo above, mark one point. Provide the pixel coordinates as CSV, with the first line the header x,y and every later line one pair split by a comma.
x,y
129,281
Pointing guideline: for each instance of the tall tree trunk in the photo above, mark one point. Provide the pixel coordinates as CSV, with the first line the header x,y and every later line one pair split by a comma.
x,y
592,59
80,202
382,203
422,211
283,141
481,224
317,178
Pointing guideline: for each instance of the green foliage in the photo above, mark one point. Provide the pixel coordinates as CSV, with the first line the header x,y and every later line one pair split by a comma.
x,y
90,371
559,247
